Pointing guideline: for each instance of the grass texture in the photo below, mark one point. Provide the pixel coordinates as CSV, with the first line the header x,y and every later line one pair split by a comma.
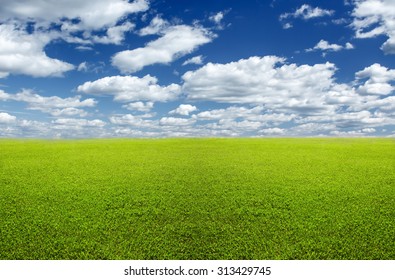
x,y
197,199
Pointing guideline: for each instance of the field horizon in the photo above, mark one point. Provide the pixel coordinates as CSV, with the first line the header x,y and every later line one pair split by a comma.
x,y
197,198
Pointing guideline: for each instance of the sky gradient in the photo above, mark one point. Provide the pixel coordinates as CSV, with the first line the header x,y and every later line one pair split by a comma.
x,y
223,68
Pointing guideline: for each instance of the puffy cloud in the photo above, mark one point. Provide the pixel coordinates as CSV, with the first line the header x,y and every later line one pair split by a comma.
x,y
176,42
83,67
305,12
139,106
76,128
140,121
198,60
217,18
7,118
262,80
378,80
23,53
184,110
170,121
114,35
76,123
256,114
273,131
373,18
323,45
92,14
130,88
53,105
156,26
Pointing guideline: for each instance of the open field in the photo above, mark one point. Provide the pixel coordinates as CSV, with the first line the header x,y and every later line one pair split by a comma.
x,y
198,199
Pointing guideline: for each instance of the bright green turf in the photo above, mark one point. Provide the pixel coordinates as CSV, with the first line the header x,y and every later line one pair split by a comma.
x,y
198,199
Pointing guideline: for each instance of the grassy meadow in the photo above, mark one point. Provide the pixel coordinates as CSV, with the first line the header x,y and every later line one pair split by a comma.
x,y
197,199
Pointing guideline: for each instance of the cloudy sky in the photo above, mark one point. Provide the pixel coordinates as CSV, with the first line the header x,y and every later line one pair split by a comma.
x,y
219,68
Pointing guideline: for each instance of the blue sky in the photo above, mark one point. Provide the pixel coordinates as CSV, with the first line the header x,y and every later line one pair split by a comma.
x,y
221,68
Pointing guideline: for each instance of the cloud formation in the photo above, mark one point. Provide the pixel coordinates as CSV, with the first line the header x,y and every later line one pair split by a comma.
x,y
23,53
7,118
176,41
261,80
373,18
378,81
305,12
184,110
323,45
53,105
89,14
131,88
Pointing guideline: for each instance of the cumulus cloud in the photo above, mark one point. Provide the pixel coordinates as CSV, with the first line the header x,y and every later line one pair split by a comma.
x,y
83,67
170,121
140,121
378,80
7,118
217,18
156,26
130,88
90,14
23,53
305,12
184,110
273,131
26,28
262,80
304,98
176,42
373,18
53,105
198,60
114,35
139,106
323,45
75,123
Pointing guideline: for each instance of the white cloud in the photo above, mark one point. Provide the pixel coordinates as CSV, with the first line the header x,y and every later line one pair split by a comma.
x,y
92,14
373,18
305,12
53,105
304,98
323,45
77,123
378,80
156,26
262,80
7,118
76,128
140,121
139,106
170,121
217,18
115,35
176,42
184,110
287,25
23,53
130,88
349,46
83,67
273,131
198,60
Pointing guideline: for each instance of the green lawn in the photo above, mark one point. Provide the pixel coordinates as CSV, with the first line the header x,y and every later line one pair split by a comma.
x,y
197,199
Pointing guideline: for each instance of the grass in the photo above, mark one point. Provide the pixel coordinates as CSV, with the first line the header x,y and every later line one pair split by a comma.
x,y
198,199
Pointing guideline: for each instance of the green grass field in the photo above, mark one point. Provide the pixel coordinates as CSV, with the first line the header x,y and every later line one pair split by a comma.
x,y
197,199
